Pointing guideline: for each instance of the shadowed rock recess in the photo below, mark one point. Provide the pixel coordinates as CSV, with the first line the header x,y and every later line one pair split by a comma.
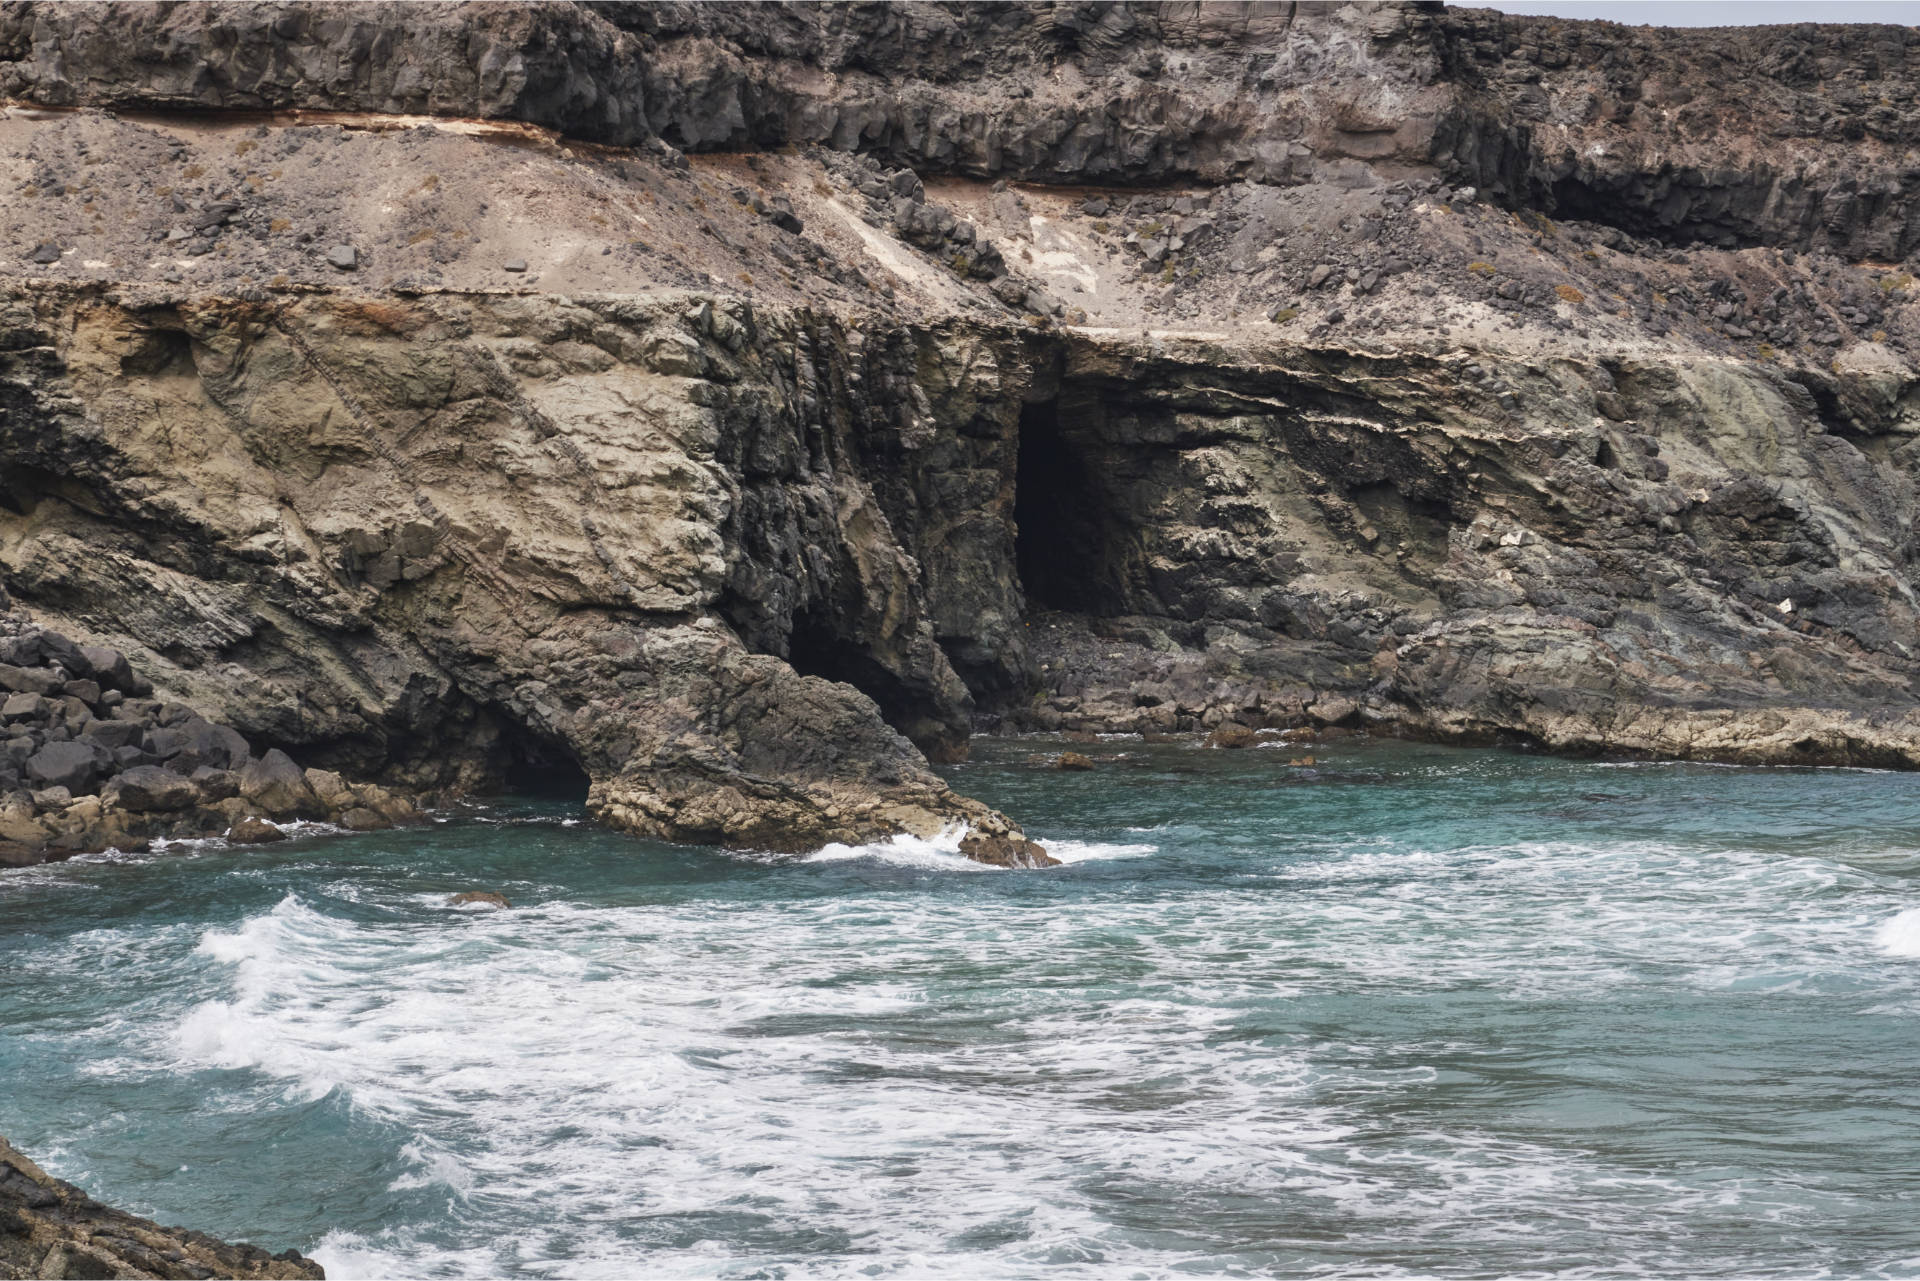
x,y
731,408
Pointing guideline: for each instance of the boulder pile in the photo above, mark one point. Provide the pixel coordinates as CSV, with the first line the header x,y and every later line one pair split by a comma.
x,y
91,760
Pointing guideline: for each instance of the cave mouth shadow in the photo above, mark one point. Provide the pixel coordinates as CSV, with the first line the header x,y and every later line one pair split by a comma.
x,y
1063,519
540,768
817,646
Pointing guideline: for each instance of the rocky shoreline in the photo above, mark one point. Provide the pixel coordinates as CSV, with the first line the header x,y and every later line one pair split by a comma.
x,y
52,1229
726,410
740,468
92,761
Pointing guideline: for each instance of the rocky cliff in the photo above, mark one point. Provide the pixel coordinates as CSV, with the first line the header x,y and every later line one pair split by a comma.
x,y
1797,135
736,407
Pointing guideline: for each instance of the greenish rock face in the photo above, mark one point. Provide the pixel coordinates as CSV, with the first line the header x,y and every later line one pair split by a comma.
x,y
649,538
1465,990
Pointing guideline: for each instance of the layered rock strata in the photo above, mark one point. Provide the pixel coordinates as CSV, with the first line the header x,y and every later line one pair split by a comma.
x,y
1796,135
747,484
50,1228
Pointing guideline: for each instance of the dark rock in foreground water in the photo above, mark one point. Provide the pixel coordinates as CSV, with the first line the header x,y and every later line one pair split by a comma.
x,y
50,1228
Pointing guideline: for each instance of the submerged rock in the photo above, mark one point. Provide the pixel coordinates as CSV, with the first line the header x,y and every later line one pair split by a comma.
x,y
486,898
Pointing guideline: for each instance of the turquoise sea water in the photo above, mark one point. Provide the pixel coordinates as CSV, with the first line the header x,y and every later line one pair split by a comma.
x,y
1423,1011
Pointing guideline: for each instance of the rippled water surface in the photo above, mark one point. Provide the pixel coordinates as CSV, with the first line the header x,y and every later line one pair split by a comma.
x,y
1418,1011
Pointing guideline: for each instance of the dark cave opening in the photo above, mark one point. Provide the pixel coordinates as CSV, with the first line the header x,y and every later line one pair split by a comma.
x,y
1061,518
817,648
541,768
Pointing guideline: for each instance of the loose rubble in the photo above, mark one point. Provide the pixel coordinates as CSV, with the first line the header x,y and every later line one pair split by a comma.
x,y
92,761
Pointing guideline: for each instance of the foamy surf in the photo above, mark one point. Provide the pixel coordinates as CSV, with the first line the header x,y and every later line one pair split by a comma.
x,y
1095,851
1426,1029
1901,935
940,853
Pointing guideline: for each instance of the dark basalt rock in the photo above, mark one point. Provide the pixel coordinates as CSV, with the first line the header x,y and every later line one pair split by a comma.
x,y
147,788
1731,136
72,781
74,766
50,1228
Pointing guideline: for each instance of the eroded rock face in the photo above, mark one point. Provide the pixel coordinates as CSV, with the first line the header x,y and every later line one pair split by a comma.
x,y
817,462
607,523
50,1228
723,556
1784,135
1709,568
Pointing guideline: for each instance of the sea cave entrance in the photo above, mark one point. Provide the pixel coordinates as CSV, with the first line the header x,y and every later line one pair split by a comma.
x,y
1069,545
817,647
542,768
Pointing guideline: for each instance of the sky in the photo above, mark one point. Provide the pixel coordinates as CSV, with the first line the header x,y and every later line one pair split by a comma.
x,y
1713,13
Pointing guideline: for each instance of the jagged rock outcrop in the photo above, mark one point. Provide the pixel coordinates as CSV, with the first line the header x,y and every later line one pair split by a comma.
x,y
601,523
50,1228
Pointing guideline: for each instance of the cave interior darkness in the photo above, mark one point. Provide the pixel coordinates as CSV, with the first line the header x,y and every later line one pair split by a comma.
x,y
1065,521
540,768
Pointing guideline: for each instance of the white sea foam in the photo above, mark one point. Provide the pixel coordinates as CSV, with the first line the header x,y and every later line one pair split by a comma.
x,y
1094,851
941,852
433,1166
710,1060
920,1076
1901,935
